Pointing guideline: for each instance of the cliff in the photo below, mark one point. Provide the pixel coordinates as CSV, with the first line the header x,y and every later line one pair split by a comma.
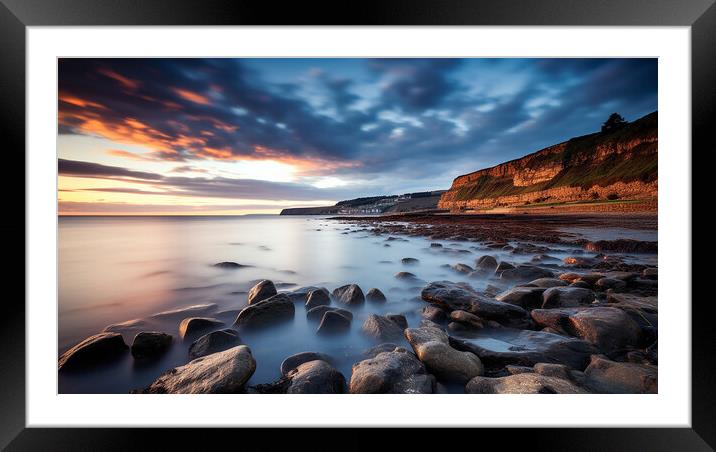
x,y
620,164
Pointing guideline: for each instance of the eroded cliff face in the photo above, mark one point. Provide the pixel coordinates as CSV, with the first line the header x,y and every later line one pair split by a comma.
x,y
616,165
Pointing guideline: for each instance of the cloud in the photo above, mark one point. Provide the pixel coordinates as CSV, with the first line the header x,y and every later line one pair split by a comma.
x,y
386,124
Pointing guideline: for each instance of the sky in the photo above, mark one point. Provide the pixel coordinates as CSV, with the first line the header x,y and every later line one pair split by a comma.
x,y
242,136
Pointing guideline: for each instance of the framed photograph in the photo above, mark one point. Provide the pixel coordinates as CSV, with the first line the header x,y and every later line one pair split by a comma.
x,y
414,215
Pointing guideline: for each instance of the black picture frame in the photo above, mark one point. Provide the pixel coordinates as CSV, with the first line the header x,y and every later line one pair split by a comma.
x,y
16,15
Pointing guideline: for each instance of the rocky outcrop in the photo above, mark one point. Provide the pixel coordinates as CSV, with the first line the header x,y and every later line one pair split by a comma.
x,y
606,166
218,373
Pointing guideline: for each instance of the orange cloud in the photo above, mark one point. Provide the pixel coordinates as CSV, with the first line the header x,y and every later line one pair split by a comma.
x,y
127,154
76,101
191,96
124,81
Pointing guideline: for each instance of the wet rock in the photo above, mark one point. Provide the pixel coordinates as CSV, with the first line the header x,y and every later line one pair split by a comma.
x,y
503,266
276,309
527,348
523,383
435,245
553,370
395,372
591,278
525,273
610,329
643,310
261,291
315,377
486,264
622,246
216,341
398,319
548,282
375,296
218,373
409,261
460,296
492,290
581,284
382,348
333,322
462,268
612,377
382,328
405,275
524,297
229,265
614,284
316,314
431,346
191,327
651,273
318,297
100,348
569,277
465,318
433,313
566,297
150,344
350,294
296,360
301,294
580,261
514,370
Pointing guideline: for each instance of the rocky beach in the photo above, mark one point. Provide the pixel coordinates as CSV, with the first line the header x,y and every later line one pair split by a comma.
x,y
519,303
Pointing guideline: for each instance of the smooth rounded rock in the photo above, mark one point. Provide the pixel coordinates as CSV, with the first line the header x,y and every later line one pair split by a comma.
x,y
261,291
150,344
95,349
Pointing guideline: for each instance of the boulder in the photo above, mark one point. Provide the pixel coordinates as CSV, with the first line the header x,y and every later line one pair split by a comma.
x,y
334,322
524,297
522,383
382,328
548,282
612,377
569,277
405,275
300,295
296,360
462,268
150,344
409,261
276,309
261,291
315,377
566,297
229,265
617,285
375,296
316,314
350,294
460,296
643,310
503,266
395,372
433,313
467,319
100,348
486,264
431,346
582,284
191,327
590,278
610,329
553,370
525,273
219,373
382,348
498,348
318,297
216,341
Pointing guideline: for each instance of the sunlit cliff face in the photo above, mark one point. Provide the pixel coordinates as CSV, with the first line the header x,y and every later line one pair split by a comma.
x,y
238,136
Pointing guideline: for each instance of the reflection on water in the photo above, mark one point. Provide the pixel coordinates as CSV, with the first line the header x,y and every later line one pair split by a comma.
x,y
128,269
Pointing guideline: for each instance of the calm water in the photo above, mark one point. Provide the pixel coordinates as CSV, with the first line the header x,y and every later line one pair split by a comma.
x,y
140,269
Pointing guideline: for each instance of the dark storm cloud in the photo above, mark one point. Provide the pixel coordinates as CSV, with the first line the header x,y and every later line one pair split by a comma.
x,y
426,118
